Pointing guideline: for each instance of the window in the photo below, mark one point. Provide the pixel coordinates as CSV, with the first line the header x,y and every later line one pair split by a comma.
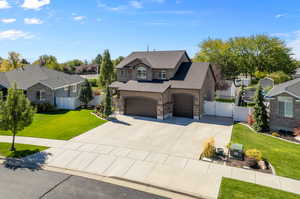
x,y
163,74
141,73
40,95
286,107
122,73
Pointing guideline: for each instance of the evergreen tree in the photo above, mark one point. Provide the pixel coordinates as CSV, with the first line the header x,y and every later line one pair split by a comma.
x,y
260,112
16,112
107,70
86,93
107,102
98,61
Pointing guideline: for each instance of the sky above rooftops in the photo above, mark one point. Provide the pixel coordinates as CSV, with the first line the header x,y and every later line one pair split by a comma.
x,y
70,29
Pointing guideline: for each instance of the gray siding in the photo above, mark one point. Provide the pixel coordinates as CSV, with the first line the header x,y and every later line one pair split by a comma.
x,y
48,96
277,122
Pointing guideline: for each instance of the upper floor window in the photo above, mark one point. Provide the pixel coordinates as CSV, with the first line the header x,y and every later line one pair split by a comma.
x,y
141,72
286,106
163,74
74,88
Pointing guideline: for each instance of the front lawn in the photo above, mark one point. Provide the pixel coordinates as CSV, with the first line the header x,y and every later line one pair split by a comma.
x,y
22,150
284,156
234,189
61,125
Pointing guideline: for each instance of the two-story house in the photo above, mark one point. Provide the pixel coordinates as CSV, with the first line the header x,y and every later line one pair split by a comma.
x,y
163,84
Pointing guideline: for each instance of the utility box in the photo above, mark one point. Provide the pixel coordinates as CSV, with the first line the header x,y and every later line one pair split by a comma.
x,y
236,151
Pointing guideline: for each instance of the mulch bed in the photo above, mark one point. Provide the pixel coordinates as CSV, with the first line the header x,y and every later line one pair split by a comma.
x,y
241,164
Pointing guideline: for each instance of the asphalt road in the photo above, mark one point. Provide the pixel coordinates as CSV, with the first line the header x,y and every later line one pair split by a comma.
x,y
28,184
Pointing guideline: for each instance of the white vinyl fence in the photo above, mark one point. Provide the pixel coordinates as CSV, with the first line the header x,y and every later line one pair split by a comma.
x,y
73,102
227,110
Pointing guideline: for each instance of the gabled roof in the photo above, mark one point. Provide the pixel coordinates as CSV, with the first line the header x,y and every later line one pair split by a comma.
x,y
30,75
188,76
291,87
155,59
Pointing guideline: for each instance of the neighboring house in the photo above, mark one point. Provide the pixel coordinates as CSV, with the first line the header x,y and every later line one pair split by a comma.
x,y
163,84
243,80
43,85
267,83
285,105
229,93
297,73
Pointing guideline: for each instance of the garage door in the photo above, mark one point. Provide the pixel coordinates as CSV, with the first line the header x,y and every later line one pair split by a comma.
x,y
183,105
141,107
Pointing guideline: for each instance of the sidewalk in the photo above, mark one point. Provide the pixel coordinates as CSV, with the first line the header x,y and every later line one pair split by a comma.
x,y
34,141
176,173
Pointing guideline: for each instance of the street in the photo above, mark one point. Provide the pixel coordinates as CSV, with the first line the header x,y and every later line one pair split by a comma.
x,y
37,184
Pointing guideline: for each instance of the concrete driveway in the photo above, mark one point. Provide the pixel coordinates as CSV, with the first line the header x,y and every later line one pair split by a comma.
x,y
178,137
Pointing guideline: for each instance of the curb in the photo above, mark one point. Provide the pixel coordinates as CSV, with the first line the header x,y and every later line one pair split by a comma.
x,y
144,187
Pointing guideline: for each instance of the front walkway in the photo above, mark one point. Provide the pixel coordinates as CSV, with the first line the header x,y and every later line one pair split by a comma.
x,y
162,168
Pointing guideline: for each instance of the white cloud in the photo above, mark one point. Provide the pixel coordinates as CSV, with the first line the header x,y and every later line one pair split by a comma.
x,y
99,19
175,12
136,4
8,20
111,8
4,4
35,4
294,44
14,35
159,1
79,18
33,21
279,16
178,1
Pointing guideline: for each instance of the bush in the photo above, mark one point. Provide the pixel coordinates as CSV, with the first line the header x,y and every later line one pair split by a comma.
x,y
43,108
279,77
93,82
260,75
209,148
250,120
275,134
254,153
225,100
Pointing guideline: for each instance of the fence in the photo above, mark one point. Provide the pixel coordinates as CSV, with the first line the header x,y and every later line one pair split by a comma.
x,y
222,109
73,102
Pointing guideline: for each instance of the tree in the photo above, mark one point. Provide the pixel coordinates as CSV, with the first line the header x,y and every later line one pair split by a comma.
x,y
98,61
260,113
107,71
246,55
107,102
118,60
86,93
14,60
24,62
16,112
49,61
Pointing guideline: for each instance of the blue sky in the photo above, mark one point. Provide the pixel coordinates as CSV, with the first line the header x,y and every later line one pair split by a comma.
x,y
81,29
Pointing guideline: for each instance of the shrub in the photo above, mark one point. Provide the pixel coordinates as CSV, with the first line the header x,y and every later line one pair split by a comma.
x,y
44,107
275,134
209,148
279,77
260,75
250,120
254,153
93,82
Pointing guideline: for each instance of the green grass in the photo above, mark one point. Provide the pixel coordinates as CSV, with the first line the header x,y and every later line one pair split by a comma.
x,y
234,189
22,150
61,125
284,156
225,100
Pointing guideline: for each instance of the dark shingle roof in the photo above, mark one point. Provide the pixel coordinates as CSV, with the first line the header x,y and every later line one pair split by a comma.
x,y
188,76
291,87
155,59
32,74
